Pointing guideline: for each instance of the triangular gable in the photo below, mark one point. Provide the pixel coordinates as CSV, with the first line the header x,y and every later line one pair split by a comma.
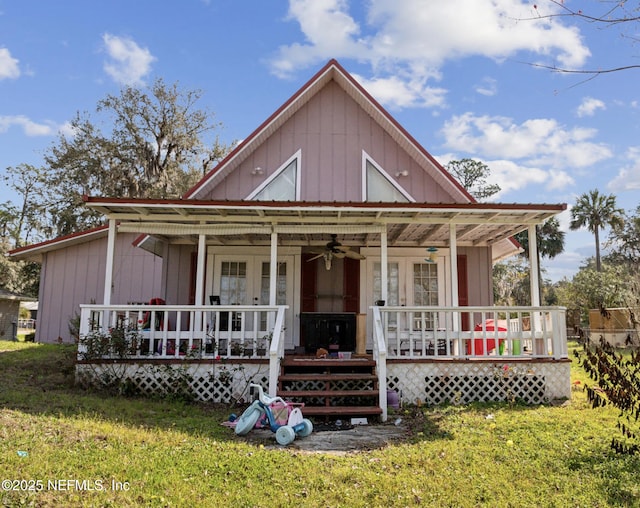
x,y
282,185
331,72
378,185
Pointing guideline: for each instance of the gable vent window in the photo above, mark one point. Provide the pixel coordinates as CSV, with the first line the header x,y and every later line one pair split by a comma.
x,y
282,185
380,187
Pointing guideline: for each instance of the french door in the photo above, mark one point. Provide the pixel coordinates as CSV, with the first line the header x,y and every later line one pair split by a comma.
x,y
245,280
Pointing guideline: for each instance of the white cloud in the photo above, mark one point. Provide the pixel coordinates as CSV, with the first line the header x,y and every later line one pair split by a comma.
x,y
487,87
400,93
559,180
628,178
128,63
543,142
589,107
329,30
29,127
413,38
513,177
8,65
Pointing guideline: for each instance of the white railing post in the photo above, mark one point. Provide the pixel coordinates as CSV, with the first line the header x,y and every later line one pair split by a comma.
x,y
83,329
380,356
560,347
276,350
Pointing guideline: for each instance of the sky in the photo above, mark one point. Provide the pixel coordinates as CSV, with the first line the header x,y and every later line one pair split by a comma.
x,y
467,79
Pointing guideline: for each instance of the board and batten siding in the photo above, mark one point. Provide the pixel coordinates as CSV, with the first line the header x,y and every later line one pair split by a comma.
x,y
75,275
332,131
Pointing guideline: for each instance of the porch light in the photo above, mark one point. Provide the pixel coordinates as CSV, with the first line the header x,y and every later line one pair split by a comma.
x,y
432,255
327,260
257,171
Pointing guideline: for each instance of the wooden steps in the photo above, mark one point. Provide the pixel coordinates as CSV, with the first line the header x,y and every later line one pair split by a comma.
x,y
331,387
341,411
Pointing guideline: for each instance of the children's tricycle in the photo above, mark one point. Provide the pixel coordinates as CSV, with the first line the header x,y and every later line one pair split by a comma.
x,y
264,405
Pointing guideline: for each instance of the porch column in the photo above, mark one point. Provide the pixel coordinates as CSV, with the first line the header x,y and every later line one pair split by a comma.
x,y
200,269
453,249
108,271
533,267
453,252
273,269
383,266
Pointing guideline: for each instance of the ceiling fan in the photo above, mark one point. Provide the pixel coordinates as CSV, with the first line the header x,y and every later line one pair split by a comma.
x,y
334,249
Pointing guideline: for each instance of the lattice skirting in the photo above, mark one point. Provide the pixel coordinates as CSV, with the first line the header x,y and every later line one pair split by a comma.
x,y
431,383
438,383
210,383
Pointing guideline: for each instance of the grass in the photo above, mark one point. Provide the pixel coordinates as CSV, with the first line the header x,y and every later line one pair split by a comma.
x,y
109,451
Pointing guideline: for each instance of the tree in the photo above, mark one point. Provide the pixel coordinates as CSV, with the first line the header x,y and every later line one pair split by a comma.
x,y
596,211
625,240
25,223
21,224
550,243
511,282
473,175
154,149
591,289
549,236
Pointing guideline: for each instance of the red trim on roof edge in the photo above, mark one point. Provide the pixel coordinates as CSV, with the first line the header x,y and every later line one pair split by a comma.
x,y
320,204
59,239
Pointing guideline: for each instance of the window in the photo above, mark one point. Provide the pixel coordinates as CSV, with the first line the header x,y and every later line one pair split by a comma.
x,y
233,283
425,284
393,286
380,187
281,288
282,185
281,284
393,283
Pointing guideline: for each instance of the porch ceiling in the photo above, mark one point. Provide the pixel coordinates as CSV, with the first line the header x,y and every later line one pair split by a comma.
x,y
304,223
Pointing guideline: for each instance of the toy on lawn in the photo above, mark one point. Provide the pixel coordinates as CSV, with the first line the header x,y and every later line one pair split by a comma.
x,y
264,406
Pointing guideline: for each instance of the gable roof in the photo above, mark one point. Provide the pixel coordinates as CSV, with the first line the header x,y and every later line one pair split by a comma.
x,y
8,295
304,222
35,251
331,71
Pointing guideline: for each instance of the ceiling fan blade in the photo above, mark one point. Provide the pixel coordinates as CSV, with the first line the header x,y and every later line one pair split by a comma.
x,y
315,257
354,255
339,254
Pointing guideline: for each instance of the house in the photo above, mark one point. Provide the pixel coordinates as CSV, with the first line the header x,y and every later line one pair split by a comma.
x,y
9,313
28,323
328,229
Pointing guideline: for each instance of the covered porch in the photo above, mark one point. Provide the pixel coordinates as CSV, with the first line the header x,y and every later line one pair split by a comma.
x,y
395,336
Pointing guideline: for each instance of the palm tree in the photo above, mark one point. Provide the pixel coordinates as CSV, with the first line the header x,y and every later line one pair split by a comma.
x,y
595,211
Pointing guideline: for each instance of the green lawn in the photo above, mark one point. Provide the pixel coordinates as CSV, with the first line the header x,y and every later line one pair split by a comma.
x,y
74,448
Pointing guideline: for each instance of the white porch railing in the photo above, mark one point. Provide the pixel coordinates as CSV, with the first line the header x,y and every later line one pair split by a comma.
x,y
179,331
465,333
471,332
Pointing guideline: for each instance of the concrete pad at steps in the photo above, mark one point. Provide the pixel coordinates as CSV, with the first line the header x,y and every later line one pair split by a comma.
x,y
359,438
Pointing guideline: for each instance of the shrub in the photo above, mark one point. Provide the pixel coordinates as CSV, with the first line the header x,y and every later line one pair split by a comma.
x,y
618,384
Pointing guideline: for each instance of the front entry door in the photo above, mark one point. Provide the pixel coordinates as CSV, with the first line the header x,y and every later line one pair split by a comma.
x,y
329,292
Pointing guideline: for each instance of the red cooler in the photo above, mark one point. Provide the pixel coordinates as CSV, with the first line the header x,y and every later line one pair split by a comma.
x,y
491,341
